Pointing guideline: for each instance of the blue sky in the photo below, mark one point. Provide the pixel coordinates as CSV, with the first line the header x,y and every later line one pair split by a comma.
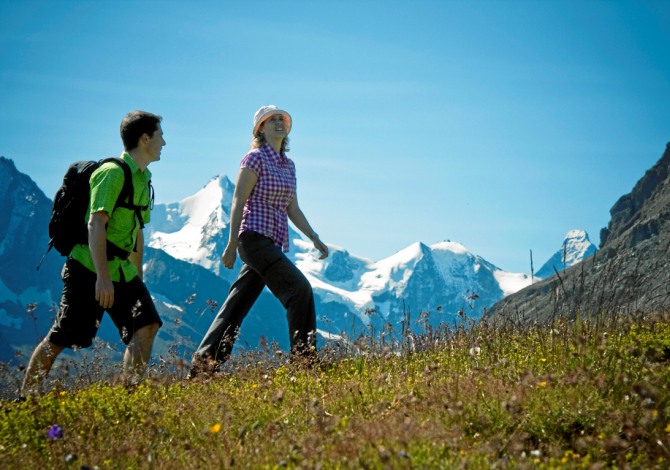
x,y
498,124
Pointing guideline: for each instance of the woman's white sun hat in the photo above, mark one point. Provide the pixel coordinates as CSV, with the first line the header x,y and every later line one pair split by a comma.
x,y
265,112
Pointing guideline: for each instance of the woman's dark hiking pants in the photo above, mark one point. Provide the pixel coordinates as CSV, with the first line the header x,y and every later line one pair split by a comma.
x,y
264,265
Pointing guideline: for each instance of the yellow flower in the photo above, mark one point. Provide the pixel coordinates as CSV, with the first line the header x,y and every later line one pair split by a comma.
x,y
667,428
544,359
215,428
63,393
543,383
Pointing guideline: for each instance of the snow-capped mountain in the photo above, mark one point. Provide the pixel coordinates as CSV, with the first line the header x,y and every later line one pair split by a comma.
x,y
576,246
442,280
193,230
185,241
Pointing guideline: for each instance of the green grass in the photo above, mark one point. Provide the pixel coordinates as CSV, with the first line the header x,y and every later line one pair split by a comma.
x,y
574,394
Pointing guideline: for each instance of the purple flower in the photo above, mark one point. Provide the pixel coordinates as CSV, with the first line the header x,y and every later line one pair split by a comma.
x,y
55,432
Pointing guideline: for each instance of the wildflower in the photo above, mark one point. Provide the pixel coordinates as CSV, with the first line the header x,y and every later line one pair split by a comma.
x,y
63,393
543,383
475,351
55,432
667,428
544,359
215,428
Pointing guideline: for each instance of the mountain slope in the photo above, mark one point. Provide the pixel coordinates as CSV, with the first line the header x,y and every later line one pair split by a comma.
x,y
630,273
27,296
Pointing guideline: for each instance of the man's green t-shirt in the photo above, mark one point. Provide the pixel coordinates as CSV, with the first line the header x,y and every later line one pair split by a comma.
x,y
123,226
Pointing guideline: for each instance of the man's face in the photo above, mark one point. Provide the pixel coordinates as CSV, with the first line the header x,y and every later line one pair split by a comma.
x,y
155,144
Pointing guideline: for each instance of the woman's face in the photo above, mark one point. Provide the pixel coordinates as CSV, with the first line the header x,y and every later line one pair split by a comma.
x,y
274,127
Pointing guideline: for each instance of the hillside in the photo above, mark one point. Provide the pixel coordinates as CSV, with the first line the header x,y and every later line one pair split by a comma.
x,y
630,273
476,398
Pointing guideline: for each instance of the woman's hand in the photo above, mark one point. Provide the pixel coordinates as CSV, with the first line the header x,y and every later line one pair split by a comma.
x,y
319,245
229,255
298,218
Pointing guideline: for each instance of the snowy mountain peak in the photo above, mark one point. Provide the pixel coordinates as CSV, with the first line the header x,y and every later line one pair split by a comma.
x,y
217,194
575,247
195,228
448,245
406,256
576,234
394,271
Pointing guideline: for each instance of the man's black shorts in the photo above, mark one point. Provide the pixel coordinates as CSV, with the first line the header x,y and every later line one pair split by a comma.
x,y
79,314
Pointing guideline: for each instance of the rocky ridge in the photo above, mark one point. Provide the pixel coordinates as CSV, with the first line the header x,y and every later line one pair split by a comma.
x,y
630,273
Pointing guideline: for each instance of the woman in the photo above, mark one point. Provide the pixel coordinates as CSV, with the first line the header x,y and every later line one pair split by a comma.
x,y
264,199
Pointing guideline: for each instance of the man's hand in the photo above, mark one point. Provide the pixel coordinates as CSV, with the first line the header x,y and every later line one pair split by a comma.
x,y
104,291
97,241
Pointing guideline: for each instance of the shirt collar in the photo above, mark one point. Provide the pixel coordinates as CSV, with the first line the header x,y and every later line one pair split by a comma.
x,y
278,157
125,156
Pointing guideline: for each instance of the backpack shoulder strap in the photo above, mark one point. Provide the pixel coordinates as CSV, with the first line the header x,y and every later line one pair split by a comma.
x,y
127,192
127,195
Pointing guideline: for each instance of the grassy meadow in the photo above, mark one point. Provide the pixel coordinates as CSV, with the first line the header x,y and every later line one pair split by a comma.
x,y
575,394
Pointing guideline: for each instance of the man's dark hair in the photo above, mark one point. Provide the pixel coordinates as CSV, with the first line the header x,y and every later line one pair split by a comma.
x,y
135,125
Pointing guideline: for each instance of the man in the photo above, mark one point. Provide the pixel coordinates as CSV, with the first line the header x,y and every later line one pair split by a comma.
x,y
106,274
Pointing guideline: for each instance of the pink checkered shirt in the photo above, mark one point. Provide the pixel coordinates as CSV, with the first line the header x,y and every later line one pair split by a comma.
x,y
265,210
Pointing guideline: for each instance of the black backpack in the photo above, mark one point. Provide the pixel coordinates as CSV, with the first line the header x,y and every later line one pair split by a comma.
x,y
67,226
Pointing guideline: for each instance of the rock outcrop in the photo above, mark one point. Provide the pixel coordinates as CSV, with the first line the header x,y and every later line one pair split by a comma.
x,y
630,273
